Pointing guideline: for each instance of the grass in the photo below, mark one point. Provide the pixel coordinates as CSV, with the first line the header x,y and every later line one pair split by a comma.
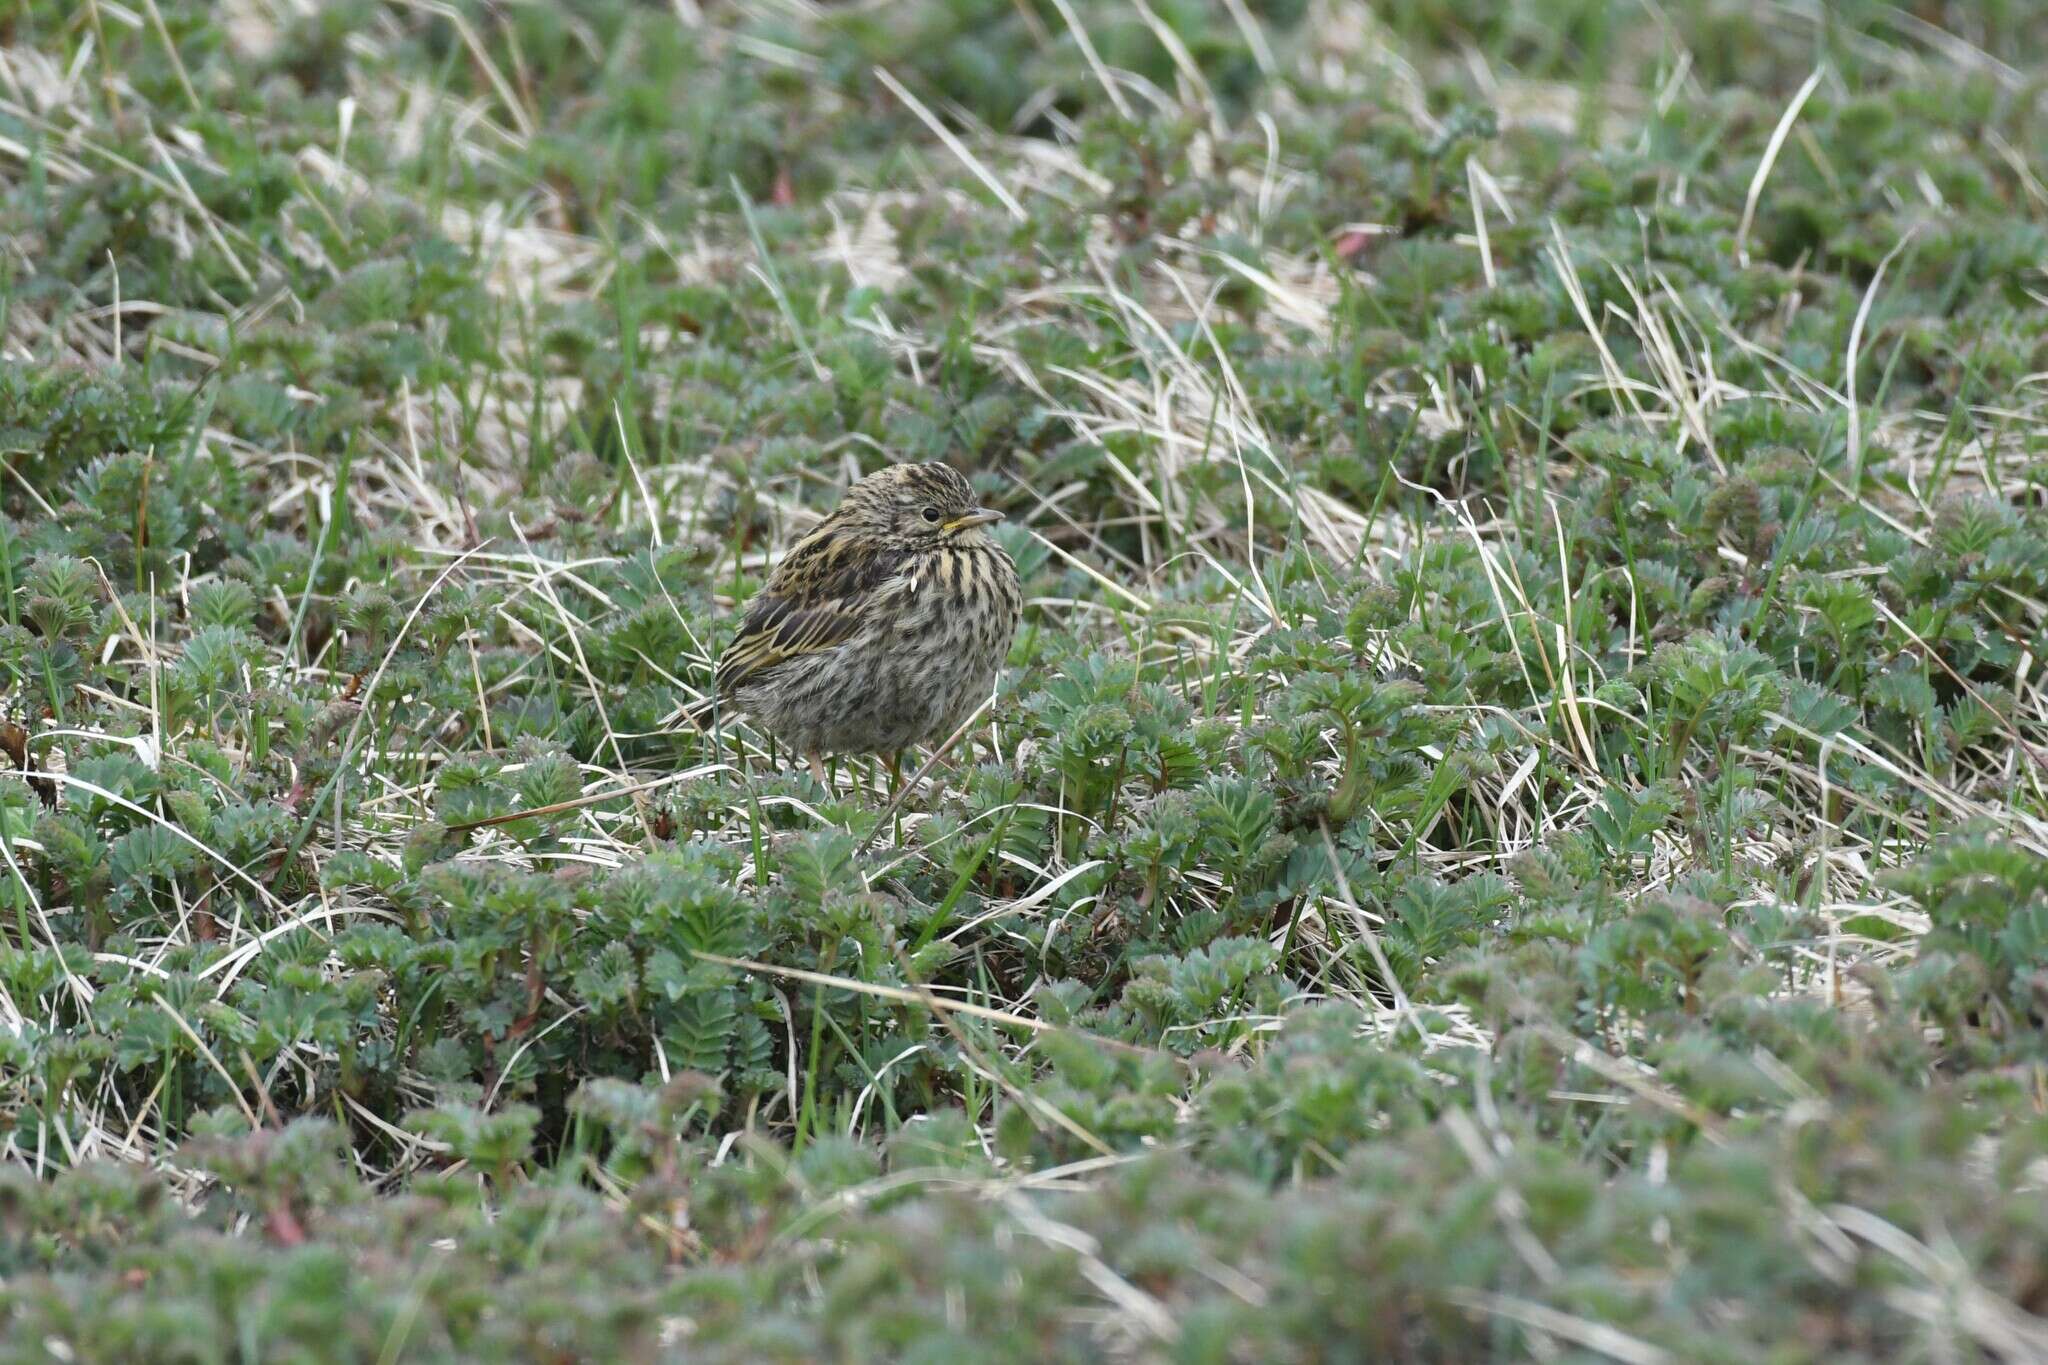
x,y
1514,826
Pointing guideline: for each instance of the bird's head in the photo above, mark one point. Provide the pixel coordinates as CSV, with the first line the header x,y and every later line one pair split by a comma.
x,y
922,506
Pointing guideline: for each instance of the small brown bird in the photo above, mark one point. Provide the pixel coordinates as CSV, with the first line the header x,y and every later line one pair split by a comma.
x,y
882,628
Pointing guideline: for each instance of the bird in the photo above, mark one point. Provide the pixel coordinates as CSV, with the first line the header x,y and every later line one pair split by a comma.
x,y
884,627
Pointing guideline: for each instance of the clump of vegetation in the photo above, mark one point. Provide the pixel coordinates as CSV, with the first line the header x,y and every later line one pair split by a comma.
x,y
1514,825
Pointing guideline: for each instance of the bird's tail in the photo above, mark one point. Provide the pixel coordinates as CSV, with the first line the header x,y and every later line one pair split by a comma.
x,y
694,715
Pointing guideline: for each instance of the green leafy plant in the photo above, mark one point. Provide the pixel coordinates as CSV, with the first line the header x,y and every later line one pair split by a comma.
x,y
1512,827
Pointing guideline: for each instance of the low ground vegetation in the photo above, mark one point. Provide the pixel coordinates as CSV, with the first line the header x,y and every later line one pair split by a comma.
x,y
1514,826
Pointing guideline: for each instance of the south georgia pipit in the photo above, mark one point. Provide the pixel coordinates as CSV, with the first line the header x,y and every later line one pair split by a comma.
x,y
882,628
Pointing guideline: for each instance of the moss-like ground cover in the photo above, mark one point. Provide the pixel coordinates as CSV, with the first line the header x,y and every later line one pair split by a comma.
x,y
1515,824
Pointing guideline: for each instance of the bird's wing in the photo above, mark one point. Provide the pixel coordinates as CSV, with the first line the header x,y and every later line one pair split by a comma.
x,y
817,598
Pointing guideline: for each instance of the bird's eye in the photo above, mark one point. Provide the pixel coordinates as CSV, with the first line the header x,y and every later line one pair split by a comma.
x,y
931,514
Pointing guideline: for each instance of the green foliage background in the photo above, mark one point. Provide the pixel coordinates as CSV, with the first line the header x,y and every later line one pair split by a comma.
x,y
1514,826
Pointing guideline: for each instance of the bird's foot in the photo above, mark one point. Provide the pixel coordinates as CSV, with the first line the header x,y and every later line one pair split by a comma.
x,y
818,770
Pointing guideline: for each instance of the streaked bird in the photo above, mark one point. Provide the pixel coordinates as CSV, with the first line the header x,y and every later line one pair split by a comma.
x,y
882,628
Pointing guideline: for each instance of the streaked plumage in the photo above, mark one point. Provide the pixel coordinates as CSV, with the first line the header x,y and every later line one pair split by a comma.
x,y
882,628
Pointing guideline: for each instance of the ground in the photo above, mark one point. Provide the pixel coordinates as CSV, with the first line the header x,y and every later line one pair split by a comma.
x,y
1514,826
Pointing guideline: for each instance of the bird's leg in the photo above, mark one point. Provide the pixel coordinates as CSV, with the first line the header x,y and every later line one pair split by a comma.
x,y
896,792
818,769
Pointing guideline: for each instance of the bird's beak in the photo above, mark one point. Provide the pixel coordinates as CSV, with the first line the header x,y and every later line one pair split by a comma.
x,y
980,516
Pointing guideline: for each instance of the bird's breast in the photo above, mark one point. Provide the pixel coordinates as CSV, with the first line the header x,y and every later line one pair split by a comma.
x,y
965,593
